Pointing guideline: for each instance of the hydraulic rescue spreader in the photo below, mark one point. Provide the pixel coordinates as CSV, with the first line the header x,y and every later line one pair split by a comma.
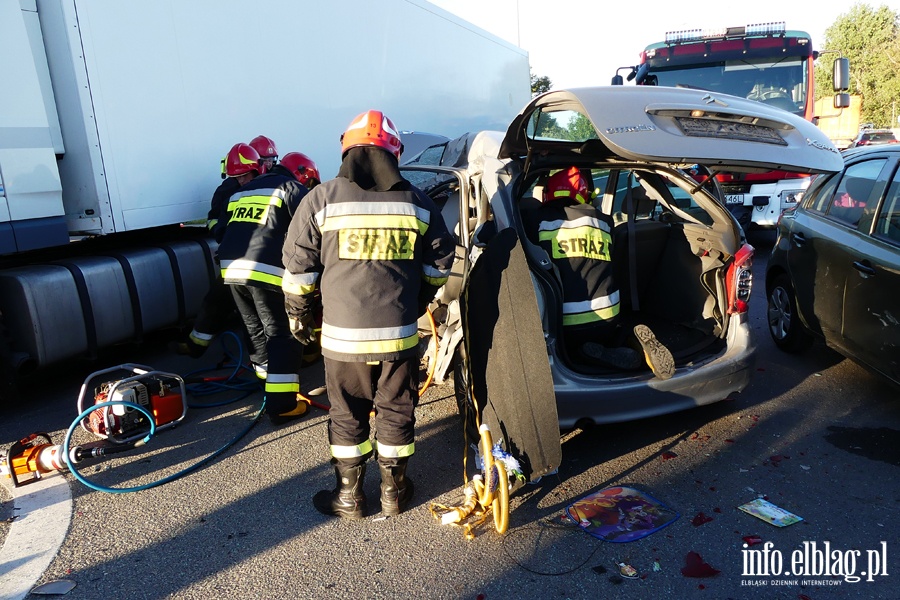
x,y
117,420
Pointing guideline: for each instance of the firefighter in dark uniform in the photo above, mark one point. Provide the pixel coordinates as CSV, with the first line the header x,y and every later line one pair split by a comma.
x,y
258,215
378,249
304,169
218,306
578,239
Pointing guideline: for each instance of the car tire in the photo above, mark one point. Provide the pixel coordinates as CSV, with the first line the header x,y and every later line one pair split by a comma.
x,y
783,318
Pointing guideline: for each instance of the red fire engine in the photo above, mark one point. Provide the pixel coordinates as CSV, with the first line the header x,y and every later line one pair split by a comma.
x,y
762,62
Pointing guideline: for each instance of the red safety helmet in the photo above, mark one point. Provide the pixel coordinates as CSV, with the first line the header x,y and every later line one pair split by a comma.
x,y
372,128
265,147
241,159
567,183
303,168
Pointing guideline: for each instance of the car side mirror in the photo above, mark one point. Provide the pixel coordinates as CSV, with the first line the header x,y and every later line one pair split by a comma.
x,y
617,80
842,100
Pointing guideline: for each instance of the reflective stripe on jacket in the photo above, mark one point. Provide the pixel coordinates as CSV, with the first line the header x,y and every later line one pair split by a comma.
x,y
257,218
374,256
578,238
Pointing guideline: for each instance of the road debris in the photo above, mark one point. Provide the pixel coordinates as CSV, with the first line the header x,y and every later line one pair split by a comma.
x,y
768,512
694,566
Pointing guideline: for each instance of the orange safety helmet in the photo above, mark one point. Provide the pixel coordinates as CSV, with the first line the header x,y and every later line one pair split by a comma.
x,y
265,147
302,167
567,183
241,159
372,128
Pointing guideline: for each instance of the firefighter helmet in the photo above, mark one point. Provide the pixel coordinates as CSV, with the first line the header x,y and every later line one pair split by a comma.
x,y
302,167
265,147
567,183
372,128
241,159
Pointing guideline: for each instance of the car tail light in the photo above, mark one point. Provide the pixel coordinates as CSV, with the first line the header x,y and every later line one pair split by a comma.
x,y
739,281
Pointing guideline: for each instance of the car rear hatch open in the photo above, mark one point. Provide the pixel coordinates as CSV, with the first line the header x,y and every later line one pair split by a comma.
x,y
671,126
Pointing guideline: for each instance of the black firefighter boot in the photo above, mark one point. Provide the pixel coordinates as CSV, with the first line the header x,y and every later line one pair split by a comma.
x,y
396,489
347,500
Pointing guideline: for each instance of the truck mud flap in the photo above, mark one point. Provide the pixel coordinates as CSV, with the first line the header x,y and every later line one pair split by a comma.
x,y
507,357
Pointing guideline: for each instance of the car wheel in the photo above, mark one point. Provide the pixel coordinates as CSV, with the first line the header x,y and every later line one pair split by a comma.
x,y
787,331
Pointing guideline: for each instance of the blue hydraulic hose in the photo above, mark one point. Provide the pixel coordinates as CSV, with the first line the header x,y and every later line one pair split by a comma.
x,y
231,382
147,486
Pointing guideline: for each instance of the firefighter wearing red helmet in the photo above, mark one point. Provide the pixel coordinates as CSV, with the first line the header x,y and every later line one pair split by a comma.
x,y
258,215
378,249
578,239
268,152
303,168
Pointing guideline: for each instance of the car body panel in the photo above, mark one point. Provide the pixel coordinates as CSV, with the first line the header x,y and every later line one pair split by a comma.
x,y
635,125
641,396
510,376
871,327
844,262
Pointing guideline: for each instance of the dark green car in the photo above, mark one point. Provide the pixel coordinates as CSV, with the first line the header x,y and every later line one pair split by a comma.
x,y
834,272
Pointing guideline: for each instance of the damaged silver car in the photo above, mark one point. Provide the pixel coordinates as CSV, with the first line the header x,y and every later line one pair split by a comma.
x,y
680,258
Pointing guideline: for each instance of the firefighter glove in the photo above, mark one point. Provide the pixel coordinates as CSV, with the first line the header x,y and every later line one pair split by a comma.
x,y
302,328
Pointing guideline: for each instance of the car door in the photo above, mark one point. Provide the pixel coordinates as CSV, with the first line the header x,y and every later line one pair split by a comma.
x,y
449,187
820,240
871,313
492,309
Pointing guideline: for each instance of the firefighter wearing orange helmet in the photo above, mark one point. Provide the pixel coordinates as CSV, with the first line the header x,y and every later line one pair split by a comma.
x,y
378,249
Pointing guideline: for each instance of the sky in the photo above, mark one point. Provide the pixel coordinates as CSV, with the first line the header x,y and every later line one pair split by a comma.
x,y
582,42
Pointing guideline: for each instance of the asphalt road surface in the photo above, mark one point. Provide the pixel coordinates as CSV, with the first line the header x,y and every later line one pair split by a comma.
x,y
815,435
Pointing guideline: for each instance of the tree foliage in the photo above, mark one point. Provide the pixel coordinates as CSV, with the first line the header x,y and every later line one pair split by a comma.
x,y
576,128
539,85
870,38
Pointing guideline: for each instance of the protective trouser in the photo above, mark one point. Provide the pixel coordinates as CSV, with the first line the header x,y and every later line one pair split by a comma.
x,y
212,318
271,342
354,388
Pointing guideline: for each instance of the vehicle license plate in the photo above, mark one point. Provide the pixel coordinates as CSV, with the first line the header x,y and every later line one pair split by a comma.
x,y
736,199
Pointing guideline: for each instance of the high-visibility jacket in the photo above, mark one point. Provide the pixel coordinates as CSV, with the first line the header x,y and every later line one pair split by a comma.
x,y
216,217
376,257
258,217
578,238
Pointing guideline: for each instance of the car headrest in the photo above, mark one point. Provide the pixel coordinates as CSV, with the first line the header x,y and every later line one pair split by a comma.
x,y
859,188
643,204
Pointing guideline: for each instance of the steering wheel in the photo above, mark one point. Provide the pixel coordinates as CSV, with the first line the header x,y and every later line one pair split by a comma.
x,y
772,94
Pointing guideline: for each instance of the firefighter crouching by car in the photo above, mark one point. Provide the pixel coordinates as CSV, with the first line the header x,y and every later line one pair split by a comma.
x,y
578,238
258,215
378,249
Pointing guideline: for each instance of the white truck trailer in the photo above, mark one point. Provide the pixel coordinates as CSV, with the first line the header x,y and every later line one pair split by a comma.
x,y
115,116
